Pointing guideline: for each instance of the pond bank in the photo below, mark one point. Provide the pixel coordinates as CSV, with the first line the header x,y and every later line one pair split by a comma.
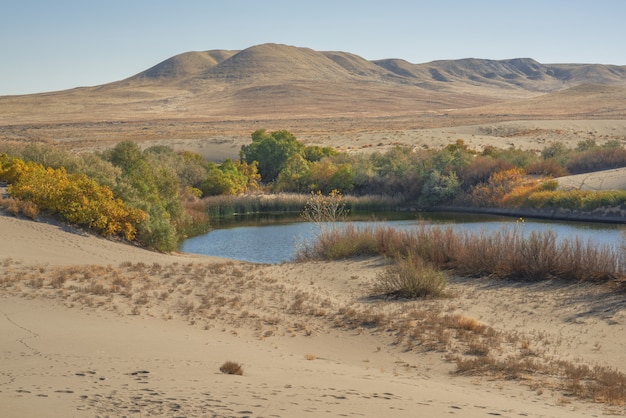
x,y
615,215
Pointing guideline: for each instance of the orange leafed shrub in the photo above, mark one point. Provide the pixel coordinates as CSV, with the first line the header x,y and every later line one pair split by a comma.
x,y
499,185
520,195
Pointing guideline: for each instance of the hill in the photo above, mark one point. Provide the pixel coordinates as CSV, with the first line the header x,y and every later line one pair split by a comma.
x,y
280,81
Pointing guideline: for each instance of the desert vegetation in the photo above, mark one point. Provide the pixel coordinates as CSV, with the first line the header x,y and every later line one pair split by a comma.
x,y
231,367
158,196
230,296
508,253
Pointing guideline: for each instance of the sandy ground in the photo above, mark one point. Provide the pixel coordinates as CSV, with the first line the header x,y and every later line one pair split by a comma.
x,y
92,327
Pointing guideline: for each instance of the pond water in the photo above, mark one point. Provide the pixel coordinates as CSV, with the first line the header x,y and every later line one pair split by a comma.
x,y
275,239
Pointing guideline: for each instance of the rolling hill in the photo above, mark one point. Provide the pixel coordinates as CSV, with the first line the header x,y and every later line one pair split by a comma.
x,y
286,82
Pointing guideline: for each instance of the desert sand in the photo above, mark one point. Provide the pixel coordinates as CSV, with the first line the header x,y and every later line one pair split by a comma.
x,y
93,327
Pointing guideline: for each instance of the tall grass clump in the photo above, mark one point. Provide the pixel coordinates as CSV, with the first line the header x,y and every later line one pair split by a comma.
x,y
320,208
507,253
228,205
411,277
340,243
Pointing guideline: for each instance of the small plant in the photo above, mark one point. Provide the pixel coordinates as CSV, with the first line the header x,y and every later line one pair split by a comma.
x,y
30,210
230,367
411,277
468,323
320,208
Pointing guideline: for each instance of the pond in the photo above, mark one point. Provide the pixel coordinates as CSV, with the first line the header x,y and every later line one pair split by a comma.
x,y
274,239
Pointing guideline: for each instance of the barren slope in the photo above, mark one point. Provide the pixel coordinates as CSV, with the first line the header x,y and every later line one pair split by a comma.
x,y
286,82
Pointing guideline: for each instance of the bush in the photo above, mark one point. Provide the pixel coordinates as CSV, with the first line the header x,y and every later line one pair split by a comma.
x,y
411,277
74,197
340,243
480,170
439,189
550,167
11,205
499,185
320,208
230,367
576,199
29,209
597,159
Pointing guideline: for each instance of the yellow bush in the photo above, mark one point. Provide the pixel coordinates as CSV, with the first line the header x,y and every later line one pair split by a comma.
x,y
75,198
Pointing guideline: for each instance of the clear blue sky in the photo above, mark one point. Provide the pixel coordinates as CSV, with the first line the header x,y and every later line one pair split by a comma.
x,y
48,45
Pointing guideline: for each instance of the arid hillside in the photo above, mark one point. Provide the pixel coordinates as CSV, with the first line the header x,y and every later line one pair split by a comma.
x,y
279,81
326,97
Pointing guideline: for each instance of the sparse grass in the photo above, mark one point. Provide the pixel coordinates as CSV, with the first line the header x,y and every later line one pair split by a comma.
x,y
231,295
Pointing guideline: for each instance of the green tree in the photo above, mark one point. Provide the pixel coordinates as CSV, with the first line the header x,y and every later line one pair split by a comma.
x,y
224,179
315,153
439,189
125,154
295,177
271,151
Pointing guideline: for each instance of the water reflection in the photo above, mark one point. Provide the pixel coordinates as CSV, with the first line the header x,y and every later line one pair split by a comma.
x,y
275,238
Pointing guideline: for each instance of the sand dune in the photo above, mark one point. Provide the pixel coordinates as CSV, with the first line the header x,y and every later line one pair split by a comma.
x,y
97,328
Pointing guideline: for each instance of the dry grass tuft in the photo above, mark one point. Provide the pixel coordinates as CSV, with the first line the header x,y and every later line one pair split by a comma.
x,y
468,323
230,367
16,206
411,277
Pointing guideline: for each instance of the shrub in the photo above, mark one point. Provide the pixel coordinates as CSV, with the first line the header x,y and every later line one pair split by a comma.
x,y
75,198
339,243
480,170
500,184
576,199
230,367
550,167
411,277
439,189
597,159
29,209
320,208
11,205
521,194
505,253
